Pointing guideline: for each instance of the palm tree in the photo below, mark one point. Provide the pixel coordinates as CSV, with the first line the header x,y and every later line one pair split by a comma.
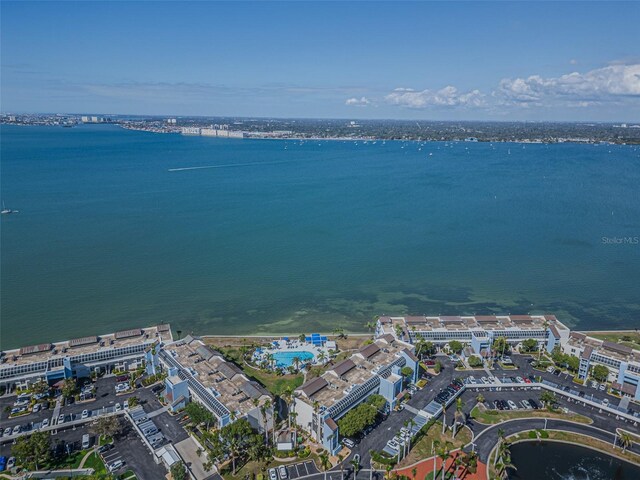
x,y
457,415
444,416
444,452
546,327
270,359
287,396
324,460
480,398
356,465
500,441
316,409
435,445
296,362
340,458
322,356
625,441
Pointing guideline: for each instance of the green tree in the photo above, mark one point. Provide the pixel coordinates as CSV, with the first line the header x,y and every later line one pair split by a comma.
x,y
407,372
32,451
178,471
40,387
69,388
437,367
324,460
530,345
105,427
500,345
549,399
377,401
235,441
474,361
573,363
200,415
600,373
455,346
357,419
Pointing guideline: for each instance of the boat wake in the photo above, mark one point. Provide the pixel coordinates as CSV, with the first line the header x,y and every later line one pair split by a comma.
x,y
229,165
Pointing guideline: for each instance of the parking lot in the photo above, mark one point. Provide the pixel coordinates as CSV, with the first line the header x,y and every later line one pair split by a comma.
x,y
301,469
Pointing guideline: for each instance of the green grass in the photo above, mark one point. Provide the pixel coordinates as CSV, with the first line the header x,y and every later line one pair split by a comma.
x,y
632,341
276,384
496,416
94,461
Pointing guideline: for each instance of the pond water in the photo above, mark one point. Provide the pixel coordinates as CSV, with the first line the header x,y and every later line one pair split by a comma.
x,y
561,461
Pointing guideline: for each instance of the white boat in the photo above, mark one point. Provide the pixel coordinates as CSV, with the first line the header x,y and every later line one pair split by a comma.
x,y
7,211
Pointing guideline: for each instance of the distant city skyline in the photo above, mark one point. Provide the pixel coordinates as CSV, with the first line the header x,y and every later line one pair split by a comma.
x,y
406,61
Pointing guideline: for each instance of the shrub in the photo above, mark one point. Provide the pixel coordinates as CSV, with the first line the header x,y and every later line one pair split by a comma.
x,y
533,434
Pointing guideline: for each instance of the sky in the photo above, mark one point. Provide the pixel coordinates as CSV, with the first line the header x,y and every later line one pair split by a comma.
x,y
547,61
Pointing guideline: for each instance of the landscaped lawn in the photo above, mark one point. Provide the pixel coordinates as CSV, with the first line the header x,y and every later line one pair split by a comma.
x,y
632,339
497,416
422,449
94,461
276,384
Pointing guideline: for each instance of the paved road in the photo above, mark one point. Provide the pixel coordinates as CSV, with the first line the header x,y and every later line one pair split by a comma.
x,y
486,441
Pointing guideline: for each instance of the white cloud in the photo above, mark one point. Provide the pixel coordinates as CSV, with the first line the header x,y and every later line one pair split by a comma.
x,y
358,102
605,84
448,96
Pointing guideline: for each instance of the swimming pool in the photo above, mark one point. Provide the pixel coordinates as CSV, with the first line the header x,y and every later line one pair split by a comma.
x,y
285,359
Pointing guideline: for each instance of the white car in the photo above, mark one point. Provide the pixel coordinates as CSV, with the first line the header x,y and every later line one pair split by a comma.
x,y
61,419
603,387
512,405
282,471
36,408
11,463
116,466
526,404
273,475
550,369
85,414
45,423
7,431
118,407
126,404
605,402
16,430
520,379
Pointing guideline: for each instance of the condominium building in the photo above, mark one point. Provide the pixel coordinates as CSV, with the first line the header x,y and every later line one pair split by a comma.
x,y
198,372
374,369
623,362
478,331
80,357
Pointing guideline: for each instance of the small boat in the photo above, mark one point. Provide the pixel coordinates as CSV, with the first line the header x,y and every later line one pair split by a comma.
x,y
5,210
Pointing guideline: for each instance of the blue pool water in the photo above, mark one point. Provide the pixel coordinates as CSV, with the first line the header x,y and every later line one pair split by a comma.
x,y
285,359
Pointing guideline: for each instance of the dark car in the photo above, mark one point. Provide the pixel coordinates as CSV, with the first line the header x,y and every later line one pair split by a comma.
x,y
105,448
534,404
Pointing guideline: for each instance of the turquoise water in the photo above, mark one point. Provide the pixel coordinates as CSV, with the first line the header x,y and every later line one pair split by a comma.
x,y
286,237
285,359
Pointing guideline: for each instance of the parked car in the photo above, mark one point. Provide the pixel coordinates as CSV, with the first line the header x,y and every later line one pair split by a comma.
x,y
117,465
273,475
105,448
7,431
45,423
85,413
36,408
3,463
526,404
118,407
11,463
347,442
602,387
16,430
61,418
282,472
533,404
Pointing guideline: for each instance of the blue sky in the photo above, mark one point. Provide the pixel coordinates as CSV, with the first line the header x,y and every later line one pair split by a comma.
x,y
448,60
